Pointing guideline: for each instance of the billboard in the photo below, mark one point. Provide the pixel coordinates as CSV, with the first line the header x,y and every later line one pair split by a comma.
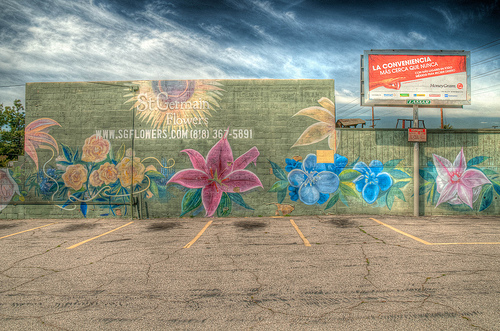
x,y
409,77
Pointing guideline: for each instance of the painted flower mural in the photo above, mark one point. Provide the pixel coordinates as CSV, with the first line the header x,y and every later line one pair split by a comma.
x,y
96,149
325,127
130,171
217,175
380,183
8,188
372,180
36,136
94,173
94,179
455,183
459,185
107,173
75,176
312,180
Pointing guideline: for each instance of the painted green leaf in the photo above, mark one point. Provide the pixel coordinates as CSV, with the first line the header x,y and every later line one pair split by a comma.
x,y
333,200
477,160
279,186
76,157
426,175
277,171
399,194
154,188
154,174
392,163
496,186
281,196
351,165
348,175
224,208
191,200
489,172
393,193
347,191
238,199
120,153
401,184
390,198
424,188
399,174
381,200
68,153
433,196
343,199
486,198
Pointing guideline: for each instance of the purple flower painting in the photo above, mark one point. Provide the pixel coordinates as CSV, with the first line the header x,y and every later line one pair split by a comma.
x,y
218,173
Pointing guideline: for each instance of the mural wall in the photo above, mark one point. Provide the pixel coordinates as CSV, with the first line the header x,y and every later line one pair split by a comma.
x,y
214,148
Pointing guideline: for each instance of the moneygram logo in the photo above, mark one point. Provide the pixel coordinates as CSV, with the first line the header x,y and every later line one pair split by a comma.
x,y
445,85
460,86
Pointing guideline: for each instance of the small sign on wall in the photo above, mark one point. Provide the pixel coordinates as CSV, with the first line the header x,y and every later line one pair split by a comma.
x,y
417,135
326,156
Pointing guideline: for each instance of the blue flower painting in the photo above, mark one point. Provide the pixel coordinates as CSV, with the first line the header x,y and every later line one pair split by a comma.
x,y
312,180
372,180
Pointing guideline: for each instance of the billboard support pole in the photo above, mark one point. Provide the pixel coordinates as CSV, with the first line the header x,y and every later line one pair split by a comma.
x,y
416,167
442,126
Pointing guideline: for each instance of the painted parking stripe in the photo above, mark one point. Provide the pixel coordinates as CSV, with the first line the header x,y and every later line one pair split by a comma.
x,y
403,233
304,239
189,244
432,244
26,230
86,241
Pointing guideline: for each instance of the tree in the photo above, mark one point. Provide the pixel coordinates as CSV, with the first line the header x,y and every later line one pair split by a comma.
x,y
12,126
448,127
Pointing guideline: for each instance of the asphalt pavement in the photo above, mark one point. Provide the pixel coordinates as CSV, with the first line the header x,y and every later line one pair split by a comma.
x,y
286,273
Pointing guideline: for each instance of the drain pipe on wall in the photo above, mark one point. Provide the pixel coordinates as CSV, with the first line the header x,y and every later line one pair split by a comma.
x,y
132,162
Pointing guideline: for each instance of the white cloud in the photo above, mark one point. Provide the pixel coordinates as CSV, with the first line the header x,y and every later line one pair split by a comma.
x,y
267,8
417,36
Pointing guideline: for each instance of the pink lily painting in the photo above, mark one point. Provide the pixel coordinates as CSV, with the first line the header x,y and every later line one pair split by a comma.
x,y
219,173
455,183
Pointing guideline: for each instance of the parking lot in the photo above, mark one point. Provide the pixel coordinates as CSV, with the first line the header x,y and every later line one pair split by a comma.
x,y
318,272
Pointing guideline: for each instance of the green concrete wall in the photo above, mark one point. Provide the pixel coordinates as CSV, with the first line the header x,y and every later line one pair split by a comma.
x,y
231,148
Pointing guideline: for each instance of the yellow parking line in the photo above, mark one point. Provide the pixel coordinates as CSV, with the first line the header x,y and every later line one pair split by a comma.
x,y
26,230
478,243
86,241
403,233
198,235
304,239
432,244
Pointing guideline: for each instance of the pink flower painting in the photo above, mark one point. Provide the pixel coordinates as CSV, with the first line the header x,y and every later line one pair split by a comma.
x,y
8,188
36,136
218,173
455,183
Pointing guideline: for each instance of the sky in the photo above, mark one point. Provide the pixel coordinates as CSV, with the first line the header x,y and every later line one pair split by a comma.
x,y
112,40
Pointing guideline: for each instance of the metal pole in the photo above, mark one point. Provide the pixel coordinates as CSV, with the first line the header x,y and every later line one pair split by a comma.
x,y
416,167
373,118
442,126
132,174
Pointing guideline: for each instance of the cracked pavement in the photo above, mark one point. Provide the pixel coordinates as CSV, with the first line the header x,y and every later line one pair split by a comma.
x,y
251,274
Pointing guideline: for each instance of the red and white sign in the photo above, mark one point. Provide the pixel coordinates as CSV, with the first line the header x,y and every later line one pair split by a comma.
x,y
417,135
407,75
